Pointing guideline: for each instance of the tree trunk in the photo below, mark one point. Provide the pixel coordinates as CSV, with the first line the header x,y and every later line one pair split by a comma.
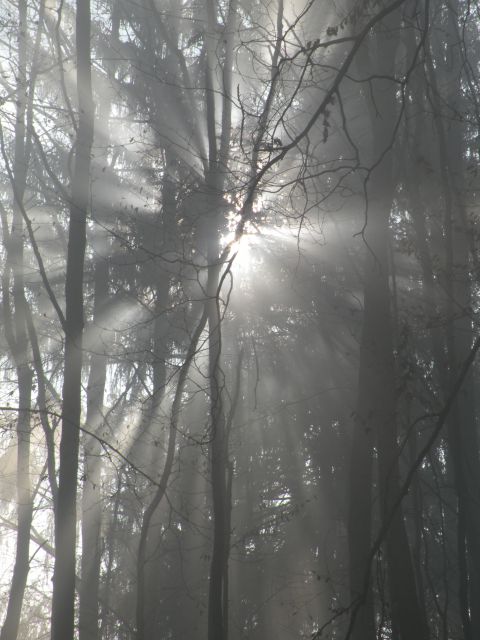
x,y
17,338
380,402
219,465
220,469
161,242
377,385
65,514
24,509
359,520
91,496
463,444
164,479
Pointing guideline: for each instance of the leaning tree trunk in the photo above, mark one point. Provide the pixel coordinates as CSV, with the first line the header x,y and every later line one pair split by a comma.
x,y
65,513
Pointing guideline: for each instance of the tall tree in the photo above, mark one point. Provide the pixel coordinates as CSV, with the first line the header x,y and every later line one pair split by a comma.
x,y
376,421
15,326
65,512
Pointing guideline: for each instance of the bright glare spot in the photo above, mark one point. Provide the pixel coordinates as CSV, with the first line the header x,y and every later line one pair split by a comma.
x,y
244,248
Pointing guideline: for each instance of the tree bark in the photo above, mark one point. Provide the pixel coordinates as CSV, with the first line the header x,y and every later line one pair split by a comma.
x,y
65,514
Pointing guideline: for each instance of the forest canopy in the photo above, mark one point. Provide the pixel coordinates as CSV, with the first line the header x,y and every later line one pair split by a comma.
x,y
239,266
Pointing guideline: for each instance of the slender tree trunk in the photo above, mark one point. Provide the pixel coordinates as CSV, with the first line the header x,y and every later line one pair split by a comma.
x,y
17,338
377,385
219,464
463,443
359,519
377,349
164,479
162,241
462,430
92,496
109,570
406,611
220,468
24,509
463,433
65,515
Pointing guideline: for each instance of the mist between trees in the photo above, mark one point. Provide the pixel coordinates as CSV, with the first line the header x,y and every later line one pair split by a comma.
x,y
239,309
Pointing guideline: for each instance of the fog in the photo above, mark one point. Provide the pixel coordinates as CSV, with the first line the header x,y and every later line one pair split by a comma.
x,y
239,263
